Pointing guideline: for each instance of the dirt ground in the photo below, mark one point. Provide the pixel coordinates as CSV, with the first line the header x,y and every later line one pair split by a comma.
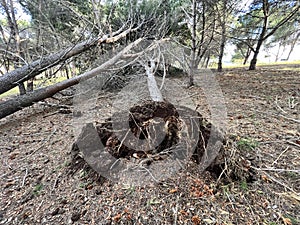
x,y
40,186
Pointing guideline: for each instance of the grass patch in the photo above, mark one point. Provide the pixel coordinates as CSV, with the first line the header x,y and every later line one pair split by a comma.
x,y
37,189
244,185
291,68
39,83
240,65
247,144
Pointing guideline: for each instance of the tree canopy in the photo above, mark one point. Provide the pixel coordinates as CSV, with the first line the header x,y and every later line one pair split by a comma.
x,y
70,37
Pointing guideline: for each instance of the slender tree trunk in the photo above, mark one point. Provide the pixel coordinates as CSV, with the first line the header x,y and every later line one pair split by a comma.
x,y
154,91
14,35
247,55
193,54
293,46
30,85
222,46
223,36
262,35
277,53
207,60
254,60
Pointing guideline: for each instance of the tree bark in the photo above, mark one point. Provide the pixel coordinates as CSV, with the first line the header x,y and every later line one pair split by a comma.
x,y
247,55
11,79
154,91
262,35
193,56
18,103
223,35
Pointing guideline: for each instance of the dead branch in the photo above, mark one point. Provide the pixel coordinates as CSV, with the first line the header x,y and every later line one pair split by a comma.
x,y
13,105
13,78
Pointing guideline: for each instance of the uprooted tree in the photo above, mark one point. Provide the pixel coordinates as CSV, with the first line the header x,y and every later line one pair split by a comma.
x,y
171,135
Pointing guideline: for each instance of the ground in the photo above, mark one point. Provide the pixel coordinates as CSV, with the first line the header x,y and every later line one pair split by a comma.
x,y
40,186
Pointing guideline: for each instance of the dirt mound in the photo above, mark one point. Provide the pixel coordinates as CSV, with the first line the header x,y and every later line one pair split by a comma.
x,y
154,131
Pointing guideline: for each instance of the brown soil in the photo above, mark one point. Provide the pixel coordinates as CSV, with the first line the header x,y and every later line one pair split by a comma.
x,y
40,186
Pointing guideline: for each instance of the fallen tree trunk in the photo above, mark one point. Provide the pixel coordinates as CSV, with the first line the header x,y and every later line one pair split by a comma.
x,y
13,105
13,78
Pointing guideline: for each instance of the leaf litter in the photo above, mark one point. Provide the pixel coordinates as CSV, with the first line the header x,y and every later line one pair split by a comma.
x,y
39,185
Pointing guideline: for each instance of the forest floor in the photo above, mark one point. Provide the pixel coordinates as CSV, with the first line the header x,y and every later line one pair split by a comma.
x,y
39,185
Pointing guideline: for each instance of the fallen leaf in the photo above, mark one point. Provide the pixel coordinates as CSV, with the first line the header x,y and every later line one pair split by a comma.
x,y
287,221
209,221
172,191
196,220
222,212
117,217
183,212
265,178
13,155
129,217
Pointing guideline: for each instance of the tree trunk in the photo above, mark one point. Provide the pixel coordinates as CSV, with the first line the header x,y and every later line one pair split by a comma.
x,y
193,56
223,37
293,46
22,88
207,60
154,91
30,85
13,105
253,61
222,46
262,35
247,56
11,79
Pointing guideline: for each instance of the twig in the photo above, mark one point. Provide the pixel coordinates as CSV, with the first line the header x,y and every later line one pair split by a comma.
x,y
175,211
231,203
278,106
223,171
157,181
294,120
275,169
24,178
275,161
279,182
293,143
56,181
120,145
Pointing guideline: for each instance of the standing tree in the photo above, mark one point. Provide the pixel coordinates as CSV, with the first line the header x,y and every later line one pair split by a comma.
x,y
202,24
269,17
225,10
13,44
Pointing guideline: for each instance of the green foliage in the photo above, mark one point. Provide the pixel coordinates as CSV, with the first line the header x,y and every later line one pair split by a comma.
x,y
62,16
37,189
292,219
158,18
276,24
273,223
244,185
247,144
